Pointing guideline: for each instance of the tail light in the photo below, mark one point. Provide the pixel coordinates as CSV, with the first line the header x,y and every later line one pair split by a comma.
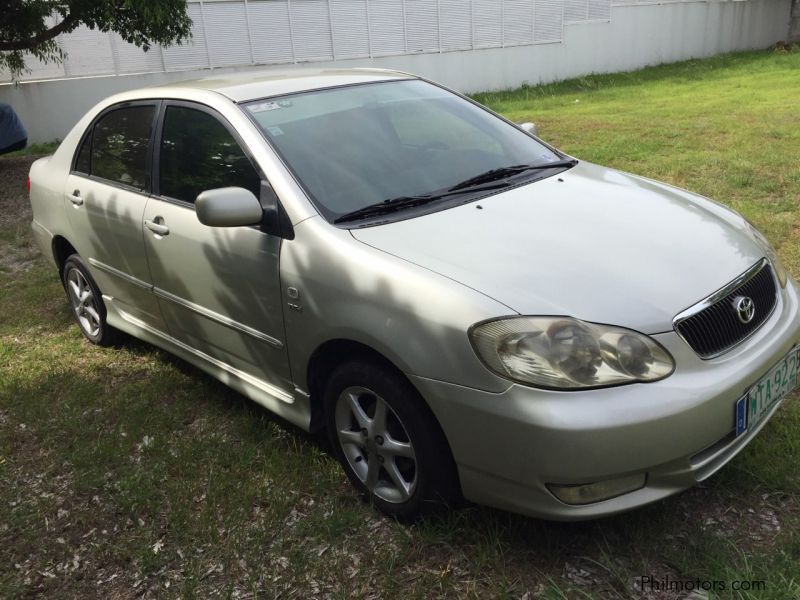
x,y
29,185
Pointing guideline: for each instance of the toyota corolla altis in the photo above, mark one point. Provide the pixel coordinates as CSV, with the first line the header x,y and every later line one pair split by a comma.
x,y
465,309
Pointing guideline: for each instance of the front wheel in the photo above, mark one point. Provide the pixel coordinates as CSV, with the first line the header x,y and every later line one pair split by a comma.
x,y
387,440
87,303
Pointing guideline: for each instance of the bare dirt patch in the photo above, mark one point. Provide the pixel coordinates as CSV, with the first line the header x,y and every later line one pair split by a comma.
x,y
14,204
17,248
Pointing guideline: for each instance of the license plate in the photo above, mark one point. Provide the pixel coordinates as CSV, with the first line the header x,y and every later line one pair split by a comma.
x,y
771,389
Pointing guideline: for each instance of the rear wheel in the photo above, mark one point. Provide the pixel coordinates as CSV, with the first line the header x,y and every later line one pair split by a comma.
x,y
389,444
87,303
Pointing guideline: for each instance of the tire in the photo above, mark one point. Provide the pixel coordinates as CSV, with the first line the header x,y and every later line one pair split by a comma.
x,y
404,467
86,303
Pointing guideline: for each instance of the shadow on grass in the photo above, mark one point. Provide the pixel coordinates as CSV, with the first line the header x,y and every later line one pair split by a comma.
x,y
141,436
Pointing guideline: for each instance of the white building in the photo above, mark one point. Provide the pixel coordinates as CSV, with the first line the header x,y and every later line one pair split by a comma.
x,y
471,45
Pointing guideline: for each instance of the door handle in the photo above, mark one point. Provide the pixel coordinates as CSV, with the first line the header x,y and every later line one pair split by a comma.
x,y
157,228
75,198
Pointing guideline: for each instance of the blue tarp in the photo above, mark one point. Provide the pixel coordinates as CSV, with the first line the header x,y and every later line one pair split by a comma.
x,y
12,131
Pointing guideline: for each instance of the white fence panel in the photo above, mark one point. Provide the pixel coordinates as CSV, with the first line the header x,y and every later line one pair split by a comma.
x,y
387,27
311,30
129,58
488,23
576,11
422,25
548,22
517,22
88,52
270,32
227,33
581,11
350,28
37,70
599,10
455,18
192,54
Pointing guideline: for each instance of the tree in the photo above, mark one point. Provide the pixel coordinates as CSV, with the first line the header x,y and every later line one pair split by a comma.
x,y
27,26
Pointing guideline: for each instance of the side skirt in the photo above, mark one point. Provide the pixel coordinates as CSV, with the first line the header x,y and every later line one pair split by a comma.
x,y
295,408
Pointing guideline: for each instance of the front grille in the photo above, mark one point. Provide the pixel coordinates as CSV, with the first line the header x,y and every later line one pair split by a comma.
x,y
715,326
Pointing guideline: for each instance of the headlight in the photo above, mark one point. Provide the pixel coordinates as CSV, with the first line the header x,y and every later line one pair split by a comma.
x,y
772,256
565,353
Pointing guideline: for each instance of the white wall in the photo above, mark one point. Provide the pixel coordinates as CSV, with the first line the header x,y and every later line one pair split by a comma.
x,y
239,33
794,27
637,36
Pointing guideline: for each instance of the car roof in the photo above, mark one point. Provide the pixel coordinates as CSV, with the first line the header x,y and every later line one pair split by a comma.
x,y
256,84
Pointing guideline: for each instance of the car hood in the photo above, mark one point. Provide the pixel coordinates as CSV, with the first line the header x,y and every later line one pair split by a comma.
x,y
592,243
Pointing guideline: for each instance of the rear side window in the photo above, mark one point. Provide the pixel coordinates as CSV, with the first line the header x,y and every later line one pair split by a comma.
x,y
198,153
119,146
83,164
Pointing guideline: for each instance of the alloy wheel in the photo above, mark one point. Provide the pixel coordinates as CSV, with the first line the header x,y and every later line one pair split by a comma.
x,y
376,444
83,303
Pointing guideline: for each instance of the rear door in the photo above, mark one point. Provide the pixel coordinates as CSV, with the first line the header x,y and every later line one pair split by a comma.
x,y
218,287
106,194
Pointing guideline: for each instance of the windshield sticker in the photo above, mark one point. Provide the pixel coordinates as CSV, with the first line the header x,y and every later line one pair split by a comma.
x,y
264,106
274,130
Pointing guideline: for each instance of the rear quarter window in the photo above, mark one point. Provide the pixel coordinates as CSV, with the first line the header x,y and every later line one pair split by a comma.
x,y
83,162
116,147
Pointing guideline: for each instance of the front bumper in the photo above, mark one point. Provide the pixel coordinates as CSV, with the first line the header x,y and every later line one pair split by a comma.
x,y
678,431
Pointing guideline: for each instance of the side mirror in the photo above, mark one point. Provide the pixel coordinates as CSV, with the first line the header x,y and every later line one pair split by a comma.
x,y
228,207
531,128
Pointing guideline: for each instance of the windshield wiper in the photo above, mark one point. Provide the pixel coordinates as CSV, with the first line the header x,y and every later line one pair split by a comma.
x,y
478,183
394,204
504,172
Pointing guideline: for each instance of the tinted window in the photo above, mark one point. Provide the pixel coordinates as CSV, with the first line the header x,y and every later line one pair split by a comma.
x,y
198,153
83,162
119,145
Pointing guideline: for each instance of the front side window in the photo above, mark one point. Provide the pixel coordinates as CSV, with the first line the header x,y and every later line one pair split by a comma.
x,y
360,146
198,153
119,144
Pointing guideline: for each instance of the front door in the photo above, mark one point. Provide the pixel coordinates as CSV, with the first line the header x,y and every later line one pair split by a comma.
x,y
106,197
218,287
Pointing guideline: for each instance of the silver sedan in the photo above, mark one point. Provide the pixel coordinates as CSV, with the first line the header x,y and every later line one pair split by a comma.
x,y
467,311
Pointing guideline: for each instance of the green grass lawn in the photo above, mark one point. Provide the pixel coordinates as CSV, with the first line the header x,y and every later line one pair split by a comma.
x,y
125,472
35,149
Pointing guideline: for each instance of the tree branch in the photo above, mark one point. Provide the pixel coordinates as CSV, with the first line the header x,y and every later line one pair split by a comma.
x,y
68,24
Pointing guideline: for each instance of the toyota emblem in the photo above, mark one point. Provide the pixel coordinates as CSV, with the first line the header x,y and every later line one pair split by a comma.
x,y
745,308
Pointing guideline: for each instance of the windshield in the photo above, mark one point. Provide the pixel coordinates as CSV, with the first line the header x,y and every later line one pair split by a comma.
x,y
356,146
